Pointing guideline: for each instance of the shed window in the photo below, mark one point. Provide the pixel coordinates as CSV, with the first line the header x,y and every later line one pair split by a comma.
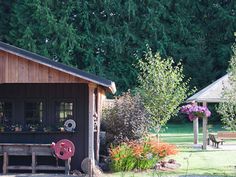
x,y
34,111
5,111
64,110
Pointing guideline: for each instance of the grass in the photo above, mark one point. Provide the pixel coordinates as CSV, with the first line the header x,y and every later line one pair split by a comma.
x,y
193,161
219,163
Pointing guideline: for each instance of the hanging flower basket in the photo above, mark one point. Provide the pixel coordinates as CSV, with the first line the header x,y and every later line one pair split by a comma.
x,y
194,111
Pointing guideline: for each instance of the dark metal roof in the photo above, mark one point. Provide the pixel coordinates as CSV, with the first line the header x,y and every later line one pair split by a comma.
x,y
59,66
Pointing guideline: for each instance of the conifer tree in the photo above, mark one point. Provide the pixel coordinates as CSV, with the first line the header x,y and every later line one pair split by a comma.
x,y
103,37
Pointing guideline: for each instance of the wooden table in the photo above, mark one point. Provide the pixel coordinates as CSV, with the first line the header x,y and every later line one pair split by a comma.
x,y
34,150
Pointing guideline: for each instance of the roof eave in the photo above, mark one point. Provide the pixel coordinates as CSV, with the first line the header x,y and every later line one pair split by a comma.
x,y
110,85
112,88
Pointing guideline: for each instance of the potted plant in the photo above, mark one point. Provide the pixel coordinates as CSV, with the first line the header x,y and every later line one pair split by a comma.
x,y
18,128
60,127
33,127
47,129
2,128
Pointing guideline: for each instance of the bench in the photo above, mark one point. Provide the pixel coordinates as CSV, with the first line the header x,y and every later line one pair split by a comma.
x,y
33,150
215,141
226,135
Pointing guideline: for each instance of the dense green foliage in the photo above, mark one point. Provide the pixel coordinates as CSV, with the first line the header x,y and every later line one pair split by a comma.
x,y
162,87
103,37
228,109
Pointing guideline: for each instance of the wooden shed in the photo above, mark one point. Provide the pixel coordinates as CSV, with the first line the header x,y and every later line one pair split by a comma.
x,y
38,92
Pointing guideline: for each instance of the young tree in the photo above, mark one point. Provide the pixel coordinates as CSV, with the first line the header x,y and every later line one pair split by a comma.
x,y
227,109
162,87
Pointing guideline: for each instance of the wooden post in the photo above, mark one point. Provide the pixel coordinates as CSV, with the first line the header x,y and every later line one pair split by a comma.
x,y
100,93
5,163
91,108
204,130
195,130
67,166
33,162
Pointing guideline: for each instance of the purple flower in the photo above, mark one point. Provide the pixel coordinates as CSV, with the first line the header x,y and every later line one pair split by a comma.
x,y
195,111
185,108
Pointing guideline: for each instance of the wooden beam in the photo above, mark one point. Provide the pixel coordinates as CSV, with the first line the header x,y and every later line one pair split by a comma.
x,y
195,128
100,95
91,111
33,162
204,130
6,67
67,166
2,66
5,163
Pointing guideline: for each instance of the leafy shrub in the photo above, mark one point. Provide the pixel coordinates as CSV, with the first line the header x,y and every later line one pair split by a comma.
x,y
139,155
126,120
227,109
122,158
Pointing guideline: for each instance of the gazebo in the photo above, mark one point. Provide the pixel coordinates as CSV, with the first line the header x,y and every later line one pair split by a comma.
x,y
210,94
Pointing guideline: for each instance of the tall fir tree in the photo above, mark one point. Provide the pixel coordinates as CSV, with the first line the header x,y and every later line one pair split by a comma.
x,y
104,37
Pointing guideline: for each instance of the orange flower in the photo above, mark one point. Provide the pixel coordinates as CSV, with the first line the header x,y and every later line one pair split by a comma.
x,y
137,150
162,149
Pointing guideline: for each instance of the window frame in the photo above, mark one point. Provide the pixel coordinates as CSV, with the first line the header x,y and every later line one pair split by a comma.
x,y
44,110
12,109
66,100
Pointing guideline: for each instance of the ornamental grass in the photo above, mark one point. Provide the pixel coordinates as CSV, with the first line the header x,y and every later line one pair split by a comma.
x,y
139,155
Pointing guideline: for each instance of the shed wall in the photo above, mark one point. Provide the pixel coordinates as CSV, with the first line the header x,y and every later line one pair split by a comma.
x,y
15,69
17,93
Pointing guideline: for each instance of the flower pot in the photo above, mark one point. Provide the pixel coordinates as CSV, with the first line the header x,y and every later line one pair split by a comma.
x,y
2,129
18,129
62,129
33,129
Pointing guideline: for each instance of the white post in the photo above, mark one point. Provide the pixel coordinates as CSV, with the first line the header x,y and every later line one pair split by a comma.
x,y
91,88
204,130
195,130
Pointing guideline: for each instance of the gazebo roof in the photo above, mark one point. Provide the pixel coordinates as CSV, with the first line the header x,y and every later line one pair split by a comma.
x,y
213,92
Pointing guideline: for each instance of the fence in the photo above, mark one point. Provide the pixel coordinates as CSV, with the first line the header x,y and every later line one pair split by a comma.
x,y
108,103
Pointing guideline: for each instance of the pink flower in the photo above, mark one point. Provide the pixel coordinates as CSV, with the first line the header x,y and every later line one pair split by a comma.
x,y
195,111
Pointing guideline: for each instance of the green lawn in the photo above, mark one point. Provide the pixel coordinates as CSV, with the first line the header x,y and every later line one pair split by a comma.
x,y
193,161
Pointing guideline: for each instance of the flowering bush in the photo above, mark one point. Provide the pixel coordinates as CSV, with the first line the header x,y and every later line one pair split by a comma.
x,y
139,155
122,158
195,111
127,120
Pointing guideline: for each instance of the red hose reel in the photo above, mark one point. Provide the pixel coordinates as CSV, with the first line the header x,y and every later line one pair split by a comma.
x,y
63,149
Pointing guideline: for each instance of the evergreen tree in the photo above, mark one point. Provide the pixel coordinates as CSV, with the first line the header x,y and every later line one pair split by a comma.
x,y
44,27
5,14
103,37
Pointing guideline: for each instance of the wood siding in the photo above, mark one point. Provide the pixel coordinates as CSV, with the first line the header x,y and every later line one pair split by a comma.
x,y
49,93
24,80
14,69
